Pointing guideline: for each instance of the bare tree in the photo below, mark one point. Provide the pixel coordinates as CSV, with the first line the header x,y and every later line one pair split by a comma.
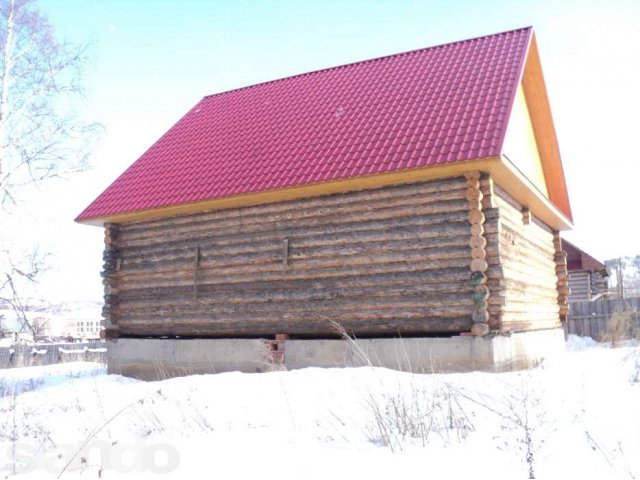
x,y
41,135
40,326
3,329
16,276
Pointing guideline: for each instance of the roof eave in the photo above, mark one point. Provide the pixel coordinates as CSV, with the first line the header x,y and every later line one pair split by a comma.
x,y
523,190
501,169
344,185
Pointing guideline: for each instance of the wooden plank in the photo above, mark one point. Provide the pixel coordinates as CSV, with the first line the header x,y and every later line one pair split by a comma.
x,y
594,318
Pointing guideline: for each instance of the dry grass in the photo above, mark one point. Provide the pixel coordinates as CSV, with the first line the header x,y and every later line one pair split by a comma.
x,y
521,412
417,413
623,325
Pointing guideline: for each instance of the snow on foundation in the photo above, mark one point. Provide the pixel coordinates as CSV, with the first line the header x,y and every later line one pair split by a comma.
x,y
576,416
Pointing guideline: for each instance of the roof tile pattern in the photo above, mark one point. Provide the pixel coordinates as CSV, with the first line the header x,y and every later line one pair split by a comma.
x,y
427,107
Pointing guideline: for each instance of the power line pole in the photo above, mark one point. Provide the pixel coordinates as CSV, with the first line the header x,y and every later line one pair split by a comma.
x,y
620,279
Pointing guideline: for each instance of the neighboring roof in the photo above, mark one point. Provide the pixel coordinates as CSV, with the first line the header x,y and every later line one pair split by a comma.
x,y
429,107
578,259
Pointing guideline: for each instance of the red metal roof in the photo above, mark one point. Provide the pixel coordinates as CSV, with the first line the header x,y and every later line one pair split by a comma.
x,y
578,259
438,105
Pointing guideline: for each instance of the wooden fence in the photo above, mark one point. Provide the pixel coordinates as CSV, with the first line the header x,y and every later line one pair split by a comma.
x,y
596,319
50,353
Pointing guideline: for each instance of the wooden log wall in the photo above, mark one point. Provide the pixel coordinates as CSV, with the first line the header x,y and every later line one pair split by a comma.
x,y
562,275
580,287
111,264
586,285
379,262
478,265
525,277
494,273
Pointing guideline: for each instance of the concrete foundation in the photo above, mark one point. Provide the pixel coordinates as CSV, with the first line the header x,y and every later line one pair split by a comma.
x,y
152,359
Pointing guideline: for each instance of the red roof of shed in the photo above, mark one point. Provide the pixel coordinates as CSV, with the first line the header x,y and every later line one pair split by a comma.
x,y
578,259
438,105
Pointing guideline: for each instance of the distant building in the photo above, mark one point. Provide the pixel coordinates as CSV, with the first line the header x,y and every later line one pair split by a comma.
x,y
74,321
79,320
588,277
87,329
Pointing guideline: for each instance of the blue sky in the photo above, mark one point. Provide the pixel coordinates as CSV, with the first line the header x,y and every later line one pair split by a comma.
x,y
155,59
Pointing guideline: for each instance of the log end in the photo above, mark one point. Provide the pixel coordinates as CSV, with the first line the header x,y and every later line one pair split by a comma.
x,y
480,329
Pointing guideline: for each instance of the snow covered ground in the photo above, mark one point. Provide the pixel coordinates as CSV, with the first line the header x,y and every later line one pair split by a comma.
x,y
577,416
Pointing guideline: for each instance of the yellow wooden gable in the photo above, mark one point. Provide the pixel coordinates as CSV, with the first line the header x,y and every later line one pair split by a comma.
x,y
520,144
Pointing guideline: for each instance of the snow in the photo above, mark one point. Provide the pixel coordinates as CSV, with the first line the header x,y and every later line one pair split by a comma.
x,y
20,380
575,416
83,350
576,343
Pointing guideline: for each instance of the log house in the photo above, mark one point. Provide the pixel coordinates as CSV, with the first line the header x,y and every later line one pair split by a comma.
x,y
420,194
588,278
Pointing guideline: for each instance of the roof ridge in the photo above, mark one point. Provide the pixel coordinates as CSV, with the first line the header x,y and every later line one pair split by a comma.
x,y
369,60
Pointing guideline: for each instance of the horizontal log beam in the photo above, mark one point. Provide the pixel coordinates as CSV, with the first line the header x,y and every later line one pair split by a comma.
x,y
250,214
334,216
405,324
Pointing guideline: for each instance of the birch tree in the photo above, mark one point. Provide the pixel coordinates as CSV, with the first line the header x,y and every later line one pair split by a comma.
x,y
41,135
40,82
